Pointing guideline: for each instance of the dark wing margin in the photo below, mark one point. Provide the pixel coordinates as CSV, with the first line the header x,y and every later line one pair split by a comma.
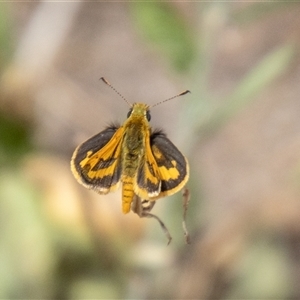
x,y
173,165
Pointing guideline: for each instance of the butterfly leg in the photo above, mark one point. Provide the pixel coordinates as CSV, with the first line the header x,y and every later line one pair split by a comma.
x,y
186,199
143,207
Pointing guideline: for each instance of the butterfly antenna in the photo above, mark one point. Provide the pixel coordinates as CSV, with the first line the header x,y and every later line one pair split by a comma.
x,y
106,82
178,95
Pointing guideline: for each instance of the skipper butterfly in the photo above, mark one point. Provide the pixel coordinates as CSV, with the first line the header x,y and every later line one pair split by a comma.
x,y
145,161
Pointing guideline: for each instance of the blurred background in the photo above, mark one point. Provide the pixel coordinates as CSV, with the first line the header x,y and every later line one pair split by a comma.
x,y
239,129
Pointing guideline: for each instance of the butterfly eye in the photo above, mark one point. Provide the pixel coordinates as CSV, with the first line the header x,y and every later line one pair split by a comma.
x,y
129,113
148,116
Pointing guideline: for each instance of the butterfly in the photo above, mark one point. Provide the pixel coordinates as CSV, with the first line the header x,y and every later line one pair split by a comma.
x,y
144,161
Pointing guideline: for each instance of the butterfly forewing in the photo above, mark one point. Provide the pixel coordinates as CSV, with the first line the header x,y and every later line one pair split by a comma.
x,y
95,163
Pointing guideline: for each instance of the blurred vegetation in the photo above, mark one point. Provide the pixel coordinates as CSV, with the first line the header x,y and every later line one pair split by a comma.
x,y
259,78
5,35
43,257
164,29
14,141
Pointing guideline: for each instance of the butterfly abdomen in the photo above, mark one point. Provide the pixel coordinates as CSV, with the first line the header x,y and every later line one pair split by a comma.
x,y
127,193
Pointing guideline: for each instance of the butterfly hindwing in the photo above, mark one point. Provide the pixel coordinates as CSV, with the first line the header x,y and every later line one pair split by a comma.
x,y
164,170
172,166
95,163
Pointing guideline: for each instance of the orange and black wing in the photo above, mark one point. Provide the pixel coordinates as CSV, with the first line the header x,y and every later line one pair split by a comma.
x,y
172,165
96,162
165,170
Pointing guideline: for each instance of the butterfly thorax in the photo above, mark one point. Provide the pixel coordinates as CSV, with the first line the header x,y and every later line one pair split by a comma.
x,y
136,129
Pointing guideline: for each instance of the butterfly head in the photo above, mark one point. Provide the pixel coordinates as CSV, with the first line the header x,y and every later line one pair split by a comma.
x,y
139,110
